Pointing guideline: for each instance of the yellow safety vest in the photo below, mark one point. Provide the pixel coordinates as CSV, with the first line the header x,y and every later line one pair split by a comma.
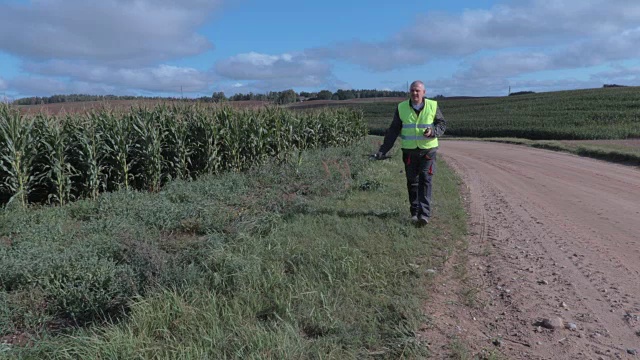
x,y
414,126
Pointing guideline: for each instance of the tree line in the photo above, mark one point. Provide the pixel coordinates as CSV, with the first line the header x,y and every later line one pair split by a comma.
x,y
277,97
289,96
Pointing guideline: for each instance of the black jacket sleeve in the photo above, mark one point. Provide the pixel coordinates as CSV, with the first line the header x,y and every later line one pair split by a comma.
x,y
392,133
439,124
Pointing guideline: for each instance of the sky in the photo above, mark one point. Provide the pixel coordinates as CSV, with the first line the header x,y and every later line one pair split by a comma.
x,y
193,48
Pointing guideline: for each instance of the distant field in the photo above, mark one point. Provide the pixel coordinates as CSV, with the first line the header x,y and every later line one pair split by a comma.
x,y
611,113
83,106
608,113
367,101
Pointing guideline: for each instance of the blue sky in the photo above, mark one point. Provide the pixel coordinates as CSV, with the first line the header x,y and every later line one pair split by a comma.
x,y
158,47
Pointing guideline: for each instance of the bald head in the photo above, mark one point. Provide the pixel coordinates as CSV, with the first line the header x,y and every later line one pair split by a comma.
x,y
417,92
417,83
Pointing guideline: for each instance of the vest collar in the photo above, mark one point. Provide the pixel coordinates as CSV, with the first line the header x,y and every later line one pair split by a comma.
x,y
419,107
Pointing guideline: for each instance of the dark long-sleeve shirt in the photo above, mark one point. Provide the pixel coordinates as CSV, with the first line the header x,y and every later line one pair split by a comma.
x,y
439,126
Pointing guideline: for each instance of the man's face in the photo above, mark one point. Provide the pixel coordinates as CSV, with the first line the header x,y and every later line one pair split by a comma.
x,y
417,93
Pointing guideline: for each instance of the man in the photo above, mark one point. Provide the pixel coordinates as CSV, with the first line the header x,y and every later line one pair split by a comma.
x,y
419,123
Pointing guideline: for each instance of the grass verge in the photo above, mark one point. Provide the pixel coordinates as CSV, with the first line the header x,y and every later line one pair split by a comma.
x,y
316,261
621,154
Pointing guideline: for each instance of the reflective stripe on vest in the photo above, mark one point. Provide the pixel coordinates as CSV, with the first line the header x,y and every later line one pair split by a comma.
x,y
414,126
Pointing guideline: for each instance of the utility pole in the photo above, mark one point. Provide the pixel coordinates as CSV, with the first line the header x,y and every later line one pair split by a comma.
x,y
509,89
181,94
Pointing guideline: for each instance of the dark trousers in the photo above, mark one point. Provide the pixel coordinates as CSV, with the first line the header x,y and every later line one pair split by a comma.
x,y
420,165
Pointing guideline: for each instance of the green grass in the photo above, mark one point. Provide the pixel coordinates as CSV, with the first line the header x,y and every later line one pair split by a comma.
x,y
609,113
627,155
313,260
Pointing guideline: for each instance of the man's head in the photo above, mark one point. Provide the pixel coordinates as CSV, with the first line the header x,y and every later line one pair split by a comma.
x,y
417,92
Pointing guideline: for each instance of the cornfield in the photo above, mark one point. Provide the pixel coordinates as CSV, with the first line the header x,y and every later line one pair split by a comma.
x,y
47,159
608,113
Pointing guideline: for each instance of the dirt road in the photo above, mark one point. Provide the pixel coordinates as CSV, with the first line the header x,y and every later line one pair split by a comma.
x,y
553,236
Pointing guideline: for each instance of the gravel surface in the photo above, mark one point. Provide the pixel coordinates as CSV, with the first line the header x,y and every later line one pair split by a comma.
x,y
554,257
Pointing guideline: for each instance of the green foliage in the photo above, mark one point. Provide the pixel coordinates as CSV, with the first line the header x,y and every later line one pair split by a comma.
x,y
17,156
218,96
56,160
370,185
301,265
344,94
611,113
287,97
521,93
324,95
86,261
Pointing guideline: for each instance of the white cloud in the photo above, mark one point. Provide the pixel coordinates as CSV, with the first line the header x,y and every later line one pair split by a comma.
x,y
46,86
381,56
123,46
37,85
622,75
462,84
263,86
264,72
114,31
256,66
508,64
309,81
161,78
459,86
530,23
593,52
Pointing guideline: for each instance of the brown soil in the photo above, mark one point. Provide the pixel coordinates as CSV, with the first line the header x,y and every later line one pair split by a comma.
x,y
551,235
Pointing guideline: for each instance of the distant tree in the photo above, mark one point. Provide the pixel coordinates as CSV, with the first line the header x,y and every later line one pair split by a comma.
x,y
324,95
218,96
287,97
612,85
522,93
273,96
345,94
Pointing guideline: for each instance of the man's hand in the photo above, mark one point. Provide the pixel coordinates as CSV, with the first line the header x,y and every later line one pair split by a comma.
x,y
429,132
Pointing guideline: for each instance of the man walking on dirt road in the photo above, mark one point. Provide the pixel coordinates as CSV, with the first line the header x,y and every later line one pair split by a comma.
x,y
419,123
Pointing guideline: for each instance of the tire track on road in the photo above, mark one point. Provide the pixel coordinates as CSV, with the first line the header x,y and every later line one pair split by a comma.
x,y
565,238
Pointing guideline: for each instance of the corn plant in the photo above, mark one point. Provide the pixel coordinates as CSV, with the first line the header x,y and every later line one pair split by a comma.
x,y
177,146
118,145
88,155
57,159
232,135
18,153
149,134
206,144
54,149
